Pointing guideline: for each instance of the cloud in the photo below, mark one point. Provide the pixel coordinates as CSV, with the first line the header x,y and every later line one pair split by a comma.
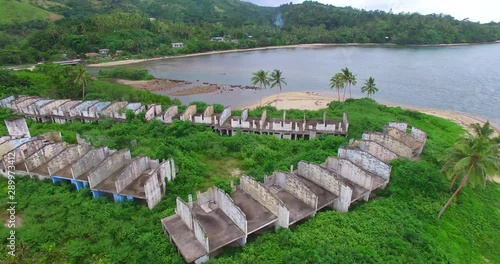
x,y
477,10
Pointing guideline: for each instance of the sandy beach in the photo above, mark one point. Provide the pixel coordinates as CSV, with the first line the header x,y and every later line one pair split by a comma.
x,y
131,61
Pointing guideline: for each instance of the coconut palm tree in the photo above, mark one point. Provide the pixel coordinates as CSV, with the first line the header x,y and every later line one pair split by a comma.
x,y
337,82
82,78
369,87
473,158
349,79
276,80
260,77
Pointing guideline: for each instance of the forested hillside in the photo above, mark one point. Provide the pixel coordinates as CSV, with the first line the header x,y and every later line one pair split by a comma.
x,y
147,28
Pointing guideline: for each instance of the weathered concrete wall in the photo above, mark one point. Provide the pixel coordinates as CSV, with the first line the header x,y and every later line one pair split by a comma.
x,y
188,114
350,171
345,121
294,186
402,136
225,115
67,157
88,161
319,176
226,204
11,145
113,108
24,150
344,200
263,118
47,109
398,125
25,102
419,135
169,114
366,161
183,210
200,234
153,111
206,117
134,107
5,102
152,191
64,109
76,111
262,195
132,172
17,127
377,150
389,142
108,166
95,110
44,155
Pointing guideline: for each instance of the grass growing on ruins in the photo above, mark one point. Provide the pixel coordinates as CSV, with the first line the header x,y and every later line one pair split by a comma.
x,y
62,225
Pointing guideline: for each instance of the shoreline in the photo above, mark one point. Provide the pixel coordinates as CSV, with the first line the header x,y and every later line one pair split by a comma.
x,y
312,45
316,101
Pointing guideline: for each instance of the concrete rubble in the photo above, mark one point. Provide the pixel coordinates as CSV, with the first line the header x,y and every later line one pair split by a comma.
x,y
106,172
201,229
61,111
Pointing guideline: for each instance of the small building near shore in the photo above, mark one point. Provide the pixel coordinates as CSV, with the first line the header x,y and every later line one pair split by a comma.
x,y
177,45
217,39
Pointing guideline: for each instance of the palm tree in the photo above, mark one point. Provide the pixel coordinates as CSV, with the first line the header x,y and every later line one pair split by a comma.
x,y
473,158
349,79
369,87
337,82
82,78
277,79
260,77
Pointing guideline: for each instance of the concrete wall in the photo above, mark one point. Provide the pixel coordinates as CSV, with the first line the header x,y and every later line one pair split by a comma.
x,y
63,110
366,161
319,176
44,155
68,156
402,136
206,117
350,171
262,195
226,204
76,111
263,118
11,144
132,172
48,108
6,101
51,136
17,127
152,111
108,166
188,114
200,234
225,115
113,108
183,210
24,150
88,161
169,114
389,142
294,186
399,125
153,191
345,121
377,150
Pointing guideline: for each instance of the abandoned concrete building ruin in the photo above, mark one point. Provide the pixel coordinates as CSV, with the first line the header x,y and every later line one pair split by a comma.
x,y
105,171
202,228
61,111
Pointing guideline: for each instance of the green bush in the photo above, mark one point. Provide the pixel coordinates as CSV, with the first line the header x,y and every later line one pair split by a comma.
x,y
126,73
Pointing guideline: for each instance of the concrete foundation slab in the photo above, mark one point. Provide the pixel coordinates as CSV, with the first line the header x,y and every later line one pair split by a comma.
x,y
183,238
257,215
298,209
220,230
325,198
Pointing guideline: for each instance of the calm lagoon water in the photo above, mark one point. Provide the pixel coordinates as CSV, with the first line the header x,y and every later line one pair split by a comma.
x,y
462,79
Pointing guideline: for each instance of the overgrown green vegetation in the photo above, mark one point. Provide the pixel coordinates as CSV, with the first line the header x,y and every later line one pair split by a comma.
x,y
20,12
62,225
145,29
126,73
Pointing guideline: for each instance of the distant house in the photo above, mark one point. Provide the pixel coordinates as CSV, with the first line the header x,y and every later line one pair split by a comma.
x,y
235,41
91,54
217,39
177,45
103,52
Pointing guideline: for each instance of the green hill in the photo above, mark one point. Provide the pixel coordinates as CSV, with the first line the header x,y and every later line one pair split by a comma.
x,y
19,12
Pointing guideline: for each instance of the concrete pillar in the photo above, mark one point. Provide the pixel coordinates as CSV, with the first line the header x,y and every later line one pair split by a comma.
x,y
55,179
130,198
242,241
190,201
96,194
366,197
291,168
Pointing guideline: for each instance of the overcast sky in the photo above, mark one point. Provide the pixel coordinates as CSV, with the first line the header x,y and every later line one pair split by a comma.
x,y
476,10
